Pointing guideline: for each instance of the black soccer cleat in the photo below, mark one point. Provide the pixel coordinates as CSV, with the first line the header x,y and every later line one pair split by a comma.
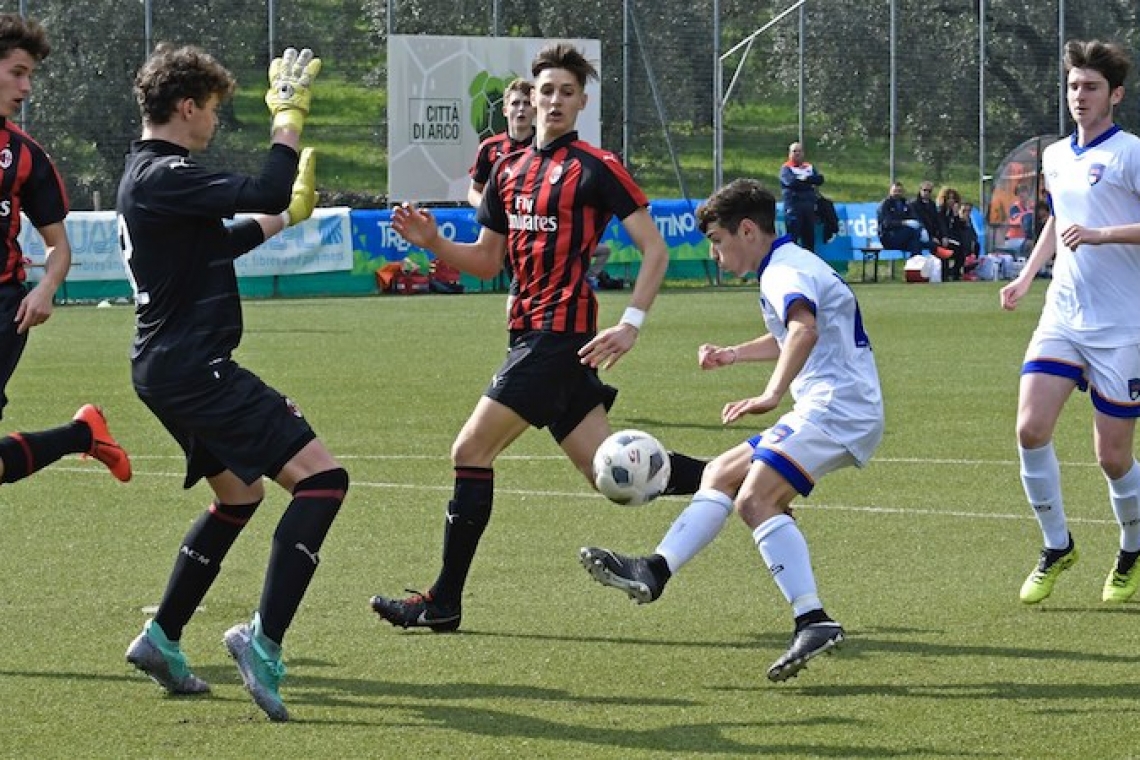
x,y
417,611
807,642
633,575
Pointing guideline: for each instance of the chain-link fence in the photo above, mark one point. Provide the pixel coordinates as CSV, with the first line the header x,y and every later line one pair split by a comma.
x,y
930,89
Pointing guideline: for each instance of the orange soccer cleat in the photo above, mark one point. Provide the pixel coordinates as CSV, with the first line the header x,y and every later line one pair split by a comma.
x,y
103,445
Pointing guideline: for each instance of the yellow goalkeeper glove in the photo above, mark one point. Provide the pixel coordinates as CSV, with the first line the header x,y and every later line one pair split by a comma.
x,y
290,80
304,196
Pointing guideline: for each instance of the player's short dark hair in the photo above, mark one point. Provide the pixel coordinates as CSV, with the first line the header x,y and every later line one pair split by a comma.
x,y
739,200
18,33
563,55
521,85
1108,58
173,74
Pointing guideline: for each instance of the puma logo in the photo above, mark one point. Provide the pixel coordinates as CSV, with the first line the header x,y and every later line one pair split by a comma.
x,y
311,555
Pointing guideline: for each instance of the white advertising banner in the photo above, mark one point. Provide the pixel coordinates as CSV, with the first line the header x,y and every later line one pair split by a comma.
x,y
445,97
320,244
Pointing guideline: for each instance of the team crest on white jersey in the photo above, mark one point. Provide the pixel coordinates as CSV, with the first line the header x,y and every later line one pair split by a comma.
x,y
777,433
1096,173
5,158
556,174
1134,388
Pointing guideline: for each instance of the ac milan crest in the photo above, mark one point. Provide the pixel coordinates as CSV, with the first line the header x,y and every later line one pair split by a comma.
x,y
293,408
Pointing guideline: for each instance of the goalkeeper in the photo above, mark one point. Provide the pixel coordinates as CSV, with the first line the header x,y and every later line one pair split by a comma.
x,y
233,428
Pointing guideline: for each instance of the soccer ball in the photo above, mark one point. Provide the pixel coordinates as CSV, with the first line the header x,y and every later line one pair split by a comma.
x,y
631,467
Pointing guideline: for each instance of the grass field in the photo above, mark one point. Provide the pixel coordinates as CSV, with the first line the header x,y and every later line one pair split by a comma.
x,y
920,555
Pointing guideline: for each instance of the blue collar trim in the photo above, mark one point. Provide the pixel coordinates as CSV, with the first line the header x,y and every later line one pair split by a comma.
x,y
1078,149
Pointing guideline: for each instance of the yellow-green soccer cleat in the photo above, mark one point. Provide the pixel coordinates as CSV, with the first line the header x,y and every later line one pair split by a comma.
x,y
1119,587
1053,562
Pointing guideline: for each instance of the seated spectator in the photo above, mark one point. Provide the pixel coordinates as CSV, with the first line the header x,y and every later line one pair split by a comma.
x,y
899,228
949,223
967,238
1041,214
926,211
598,265
1019,230
997,264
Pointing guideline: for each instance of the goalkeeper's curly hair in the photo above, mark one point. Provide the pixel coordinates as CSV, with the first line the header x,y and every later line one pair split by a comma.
x,y
17,33
174,73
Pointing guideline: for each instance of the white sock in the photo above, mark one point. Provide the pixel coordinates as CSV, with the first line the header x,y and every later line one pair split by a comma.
x,y
695,528
785,551
1125,497
1041,478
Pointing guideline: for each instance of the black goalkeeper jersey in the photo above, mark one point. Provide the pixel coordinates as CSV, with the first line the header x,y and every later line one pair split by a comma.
x,y
180,253
553,204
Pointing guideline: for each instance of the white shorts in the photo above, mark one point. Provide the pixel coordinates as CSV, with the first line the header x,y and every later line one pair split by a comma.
x,y
800,451
1111,375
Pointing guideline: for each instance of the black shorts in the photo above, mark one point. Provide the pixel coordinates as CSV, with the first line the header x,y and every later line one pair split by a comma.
x,y
232,421
11,343
544,382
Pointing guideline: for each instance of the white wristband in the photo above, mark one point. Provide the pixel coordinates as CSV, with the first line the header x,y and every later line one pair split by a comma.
x,y
284,217
633,316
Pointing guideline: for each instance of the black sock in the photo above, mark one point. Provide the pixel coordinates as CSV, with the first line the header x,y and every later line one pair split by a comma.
x,y
685,474
815,616
294,557
1125,561
468,513
660,568
25,453
198,563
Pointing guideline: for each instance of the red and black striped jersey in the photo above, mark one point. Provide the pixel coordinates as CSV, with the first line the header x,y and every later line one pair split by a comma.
x,y
490,151
29,183
553,204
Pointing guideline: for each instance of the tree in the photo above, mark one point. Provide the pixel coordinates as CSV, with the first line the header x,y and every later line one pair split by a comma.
x,y
848,69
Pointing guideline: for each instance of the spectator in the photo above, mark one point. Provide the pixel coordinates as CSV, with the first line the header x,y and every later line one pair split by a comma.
x,y
799,180
597,269
1019,230
947,221
926,211
963,231
1041,214
997,264
899,228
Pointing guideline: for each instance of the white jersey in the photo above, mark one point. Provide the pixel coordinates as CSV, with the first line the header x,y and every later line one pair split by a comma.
x,y
838,388
1092,296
